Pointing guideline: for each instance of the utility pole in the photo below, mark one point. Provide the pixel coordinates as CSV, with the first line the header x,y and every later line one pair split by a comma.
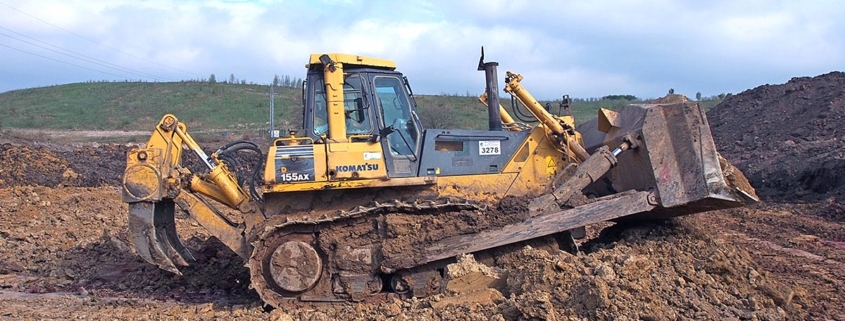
x,y
272,131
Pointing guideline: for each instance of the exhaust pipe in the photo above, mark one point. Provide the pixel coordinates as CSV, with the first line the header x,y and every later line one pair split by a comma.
x,y
492,88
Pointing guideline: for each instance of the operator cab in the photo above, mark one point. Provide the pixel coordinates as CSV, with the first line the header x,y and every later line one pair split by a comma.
x,y
377,106
360,124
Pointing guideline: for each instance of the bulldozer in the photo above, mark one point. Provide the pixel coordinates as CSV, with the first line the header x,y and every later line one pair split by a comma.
x,y
364,203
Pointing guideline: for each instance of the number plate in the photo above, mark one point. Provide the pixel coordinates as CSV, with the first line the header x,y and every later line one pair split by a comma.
x,y
489,147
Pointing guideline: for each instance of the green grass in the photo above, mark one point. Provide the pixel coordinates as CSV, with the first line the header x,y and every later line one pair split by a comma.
x,y
236,108
137,106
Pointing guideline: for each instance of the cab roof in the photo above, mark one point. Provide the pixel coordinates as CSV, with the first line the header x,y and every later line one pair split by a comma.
x,y
348,59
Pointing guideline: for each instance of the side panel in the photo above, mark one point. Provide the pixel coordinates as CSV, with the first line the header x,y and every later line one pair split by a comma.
x,y
355,161
538,162
295,163
466,152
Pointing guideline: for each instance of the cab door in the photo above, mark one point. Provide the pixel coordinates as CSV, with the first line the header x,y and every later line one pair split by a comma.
x,y
400,126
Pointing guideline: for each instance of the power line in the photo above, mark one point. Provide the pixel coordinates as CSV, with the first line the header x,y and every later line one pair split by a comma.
x,y
82,57
81,54
99,44
64,62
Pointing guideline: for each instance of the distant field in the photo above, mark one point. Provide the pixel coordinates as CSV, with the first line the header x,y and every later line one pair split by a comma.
x,y
235,109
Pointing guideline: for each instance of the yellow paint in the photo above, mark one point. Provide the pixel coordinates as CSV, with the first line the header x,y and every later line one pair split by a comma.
x,y
516,89
270,165
529,171
163,154
227,184
353,60
333,78
356,161
154,165
320,167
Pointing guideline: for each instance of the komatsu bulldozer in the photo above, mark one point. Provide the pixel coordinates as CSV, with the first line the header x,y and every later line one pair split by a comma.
x,y
364,203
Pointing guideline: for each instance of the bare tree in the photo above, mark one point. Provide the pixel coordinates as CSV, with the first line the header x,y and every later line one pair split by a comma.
x,y
438,116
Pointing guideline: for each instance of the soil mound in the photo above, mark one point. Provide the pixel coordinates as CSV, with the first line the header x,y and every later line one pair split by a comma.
x,y
56,166
787,138
86,165
23,165
73,240
662,271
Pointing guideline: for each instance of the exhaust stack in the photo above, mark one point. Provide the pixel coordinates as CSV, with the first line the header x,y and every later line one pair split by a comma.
x,y
492,89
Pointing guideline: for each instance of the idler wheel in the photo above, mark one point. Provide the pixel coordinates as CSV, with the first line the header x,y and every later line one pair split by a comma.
x,y
295,266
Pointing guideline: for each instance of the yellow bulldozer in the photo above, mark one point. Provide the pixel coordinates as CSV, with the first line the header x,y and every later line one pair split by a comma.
x,y
363,203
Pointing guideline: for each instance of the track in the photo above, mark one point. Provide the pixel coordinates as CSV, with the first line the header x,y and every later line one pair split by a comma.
x,y
337,258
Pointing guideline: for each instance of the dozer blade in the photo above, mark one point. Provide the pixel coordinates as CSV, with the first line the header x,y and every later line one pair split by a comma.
x,y
677,159
153,232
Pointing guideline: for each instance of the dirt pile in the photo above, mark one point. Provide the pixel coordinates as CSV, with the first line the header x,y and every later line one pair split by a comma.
x,y
788,139
68,255
85,165
70,246
66,252
70,239
23,165
50,165
655,272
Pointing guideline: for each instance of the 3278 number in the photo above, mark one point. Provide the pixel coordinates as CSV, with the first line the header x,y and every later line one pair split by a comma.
x,y
489,147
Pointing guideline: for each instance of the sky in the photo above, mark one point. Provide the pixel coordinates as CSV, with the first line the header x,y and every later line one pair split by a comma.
x,y
589,48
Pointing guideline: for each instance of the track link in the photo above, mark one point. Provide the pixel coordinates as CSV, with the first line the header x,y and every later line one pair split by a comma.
x,y
293,261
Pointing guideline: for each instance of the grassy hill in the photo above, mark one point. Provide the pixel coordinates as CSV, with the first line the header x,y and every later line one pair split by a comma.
x,y
235,108
137,106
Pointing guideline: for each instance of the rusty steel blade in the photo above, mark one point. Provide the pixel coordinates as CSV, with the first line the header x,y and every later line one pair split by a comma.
x,y
676,158
150,245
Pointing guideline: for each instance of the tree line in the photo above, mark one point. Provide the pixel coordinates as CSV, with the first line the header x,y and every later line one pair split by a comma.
x,y
279,81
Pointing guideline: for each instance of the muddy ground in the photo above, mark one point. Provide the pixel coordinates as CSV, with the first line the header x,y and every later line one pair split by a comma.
x,y
64,250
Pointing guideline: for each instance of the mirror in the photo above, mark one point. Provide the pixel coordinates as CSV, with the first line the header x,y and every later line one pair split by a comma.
x,y
359,109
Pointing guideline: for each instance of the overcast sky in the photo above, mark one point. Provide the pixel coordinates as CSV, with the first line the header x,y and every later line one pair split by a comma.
x,y
582,48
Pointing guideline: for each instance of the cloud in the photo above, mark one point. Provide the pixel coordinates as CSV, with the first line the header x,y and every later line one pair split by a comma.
x,y
581,48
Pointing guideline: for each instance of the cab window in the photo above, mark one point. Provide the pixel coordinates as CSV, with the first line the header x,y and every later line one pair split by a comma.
x,y
358,120
396,111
